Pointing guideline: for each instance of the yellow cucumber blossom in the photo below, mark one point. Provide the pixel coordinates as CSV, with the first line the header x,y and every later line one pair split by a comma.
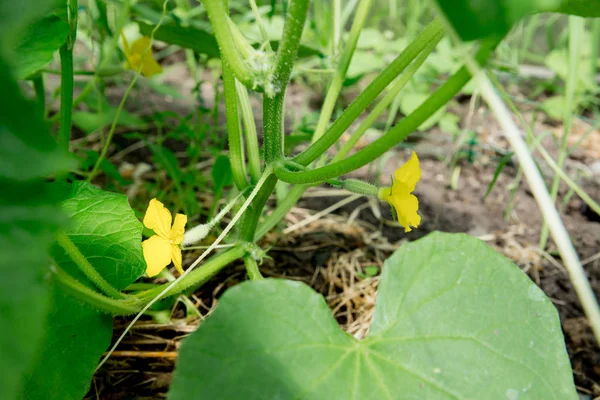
x,y
165,246
400,196
140,55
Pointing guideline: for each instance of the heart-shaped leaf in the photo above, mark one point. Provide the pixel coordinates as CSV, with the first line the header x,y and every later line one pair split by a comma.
x,y
454,320
105,229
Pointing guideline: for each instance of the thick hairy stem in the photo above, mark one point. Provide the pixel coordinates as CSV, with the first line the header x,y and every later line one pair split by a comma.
x,y
273,127
218,15
198,277
90,296
290,42
252,217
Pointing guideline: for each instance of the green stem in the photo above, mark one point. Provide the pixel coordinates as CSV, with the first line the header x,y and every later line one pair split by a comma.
x,y
243,46
386,101
364,99
139,286
250,132
90,296
252,216
290,42
261,25
113,127
340,74
66,78
360,187
576,31
107,56
283,207
40,94
84,266
273,106
234,133
397,134
197,277
273,126
252,268
66,96
294,166
218,15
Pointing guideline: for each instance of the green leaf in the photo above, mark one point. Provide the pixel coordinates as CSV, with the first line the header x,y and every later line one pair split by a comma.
x,y
28,219
476,19
454,320
38,44
583,8
187,37
76,337
17,15
105,229
221,173
503,161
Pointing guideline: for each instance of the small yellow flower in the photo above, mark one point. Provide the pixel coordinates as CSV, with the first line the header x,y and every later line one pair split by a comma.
x,y
140,54
399,195
165,246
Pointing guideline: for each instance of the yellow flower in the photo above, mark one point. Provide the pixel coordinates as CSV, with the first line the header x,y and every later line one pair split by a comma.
x,y
165,246
140,54
399,195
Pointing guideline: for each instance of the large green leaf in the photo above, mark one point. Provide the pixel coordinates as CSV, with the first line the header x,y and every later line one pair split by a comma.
x,y
76,337
28,217
105,229
475,19
37,45
454,320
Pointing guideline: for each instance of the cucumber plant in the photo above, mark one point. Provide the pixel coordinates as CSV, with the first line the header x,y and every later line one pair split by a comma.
x,y
454,319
